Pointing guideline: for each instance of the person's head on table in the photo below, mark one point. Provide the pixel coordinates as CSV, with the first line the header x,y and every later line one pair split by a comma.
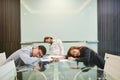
x,y
48,40
86,55
56,45
27,55
74,51
38,51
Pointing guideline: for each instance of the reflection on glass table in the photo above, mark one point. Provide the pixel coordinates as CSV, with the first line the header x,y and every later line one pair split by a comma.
x,y
65,70
54,71
92,73
89,73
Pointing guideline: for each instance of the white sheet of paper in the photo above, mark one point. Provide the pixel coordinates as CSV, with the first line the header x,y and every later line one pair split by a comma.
x,y
46,59
63,60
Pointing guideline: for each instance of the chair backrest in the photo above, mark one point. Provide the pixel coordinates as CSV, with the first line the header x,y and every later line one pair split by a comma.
x,y
2,58
112,66
8,71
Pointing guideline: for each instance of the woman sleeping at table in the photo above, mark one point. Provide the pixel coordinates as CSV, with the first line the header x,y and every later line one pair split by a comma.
x,y
86,55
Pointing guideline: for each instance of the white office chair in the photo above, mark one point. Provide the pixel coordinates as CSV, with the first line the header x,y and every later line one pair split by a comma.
x,y
112,66
8,71
2,58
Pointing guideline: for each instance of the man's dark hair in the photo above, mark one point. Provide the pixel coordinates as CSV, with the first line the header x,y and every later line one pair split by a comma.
x,y
48,37
43,49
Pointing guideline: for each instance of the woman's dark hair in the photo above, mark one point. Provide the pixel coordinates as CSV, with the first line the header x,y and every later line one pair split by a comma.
x,y
71,48
43,49
48,37
76,47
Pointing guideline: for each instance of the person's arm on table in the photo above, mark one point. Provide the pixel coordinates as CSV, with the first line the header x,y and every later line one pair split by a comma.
x,y
27,59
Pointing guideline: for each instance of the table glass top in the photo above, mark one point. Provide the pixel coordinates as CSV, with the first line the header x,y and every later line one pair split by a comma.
x,y
66,70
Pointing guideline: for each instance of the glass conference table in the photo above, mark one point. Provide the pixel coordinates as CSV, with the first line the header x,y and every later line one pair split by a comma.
x,y
64,70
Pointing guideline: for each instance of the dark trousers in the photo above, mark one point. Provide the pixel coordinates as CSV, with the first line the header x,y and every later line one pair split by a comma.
x,y
99,61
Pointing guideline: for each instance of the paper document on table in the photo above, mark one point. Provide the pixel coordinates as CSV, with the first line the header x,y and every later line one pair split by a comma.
x,y
46,59
54,56
63,60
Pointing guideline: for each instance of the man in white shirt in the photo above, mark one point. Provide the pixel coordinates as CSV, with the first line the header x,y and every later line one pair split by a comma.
x,y
27,55
56,45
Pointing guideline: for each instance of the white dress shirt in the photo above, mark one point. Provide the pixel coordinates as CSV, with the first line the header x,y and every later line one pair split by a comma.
x,y
57,47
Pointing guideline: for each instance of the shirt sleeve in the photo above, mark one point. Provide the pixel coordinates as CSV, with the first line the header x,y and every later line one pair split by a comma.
x,y
86,57
60,44
27,59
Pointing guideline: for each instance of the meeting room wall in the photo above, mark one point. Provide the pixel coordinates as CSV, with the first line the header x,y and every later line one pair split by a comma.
x,y
68,20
